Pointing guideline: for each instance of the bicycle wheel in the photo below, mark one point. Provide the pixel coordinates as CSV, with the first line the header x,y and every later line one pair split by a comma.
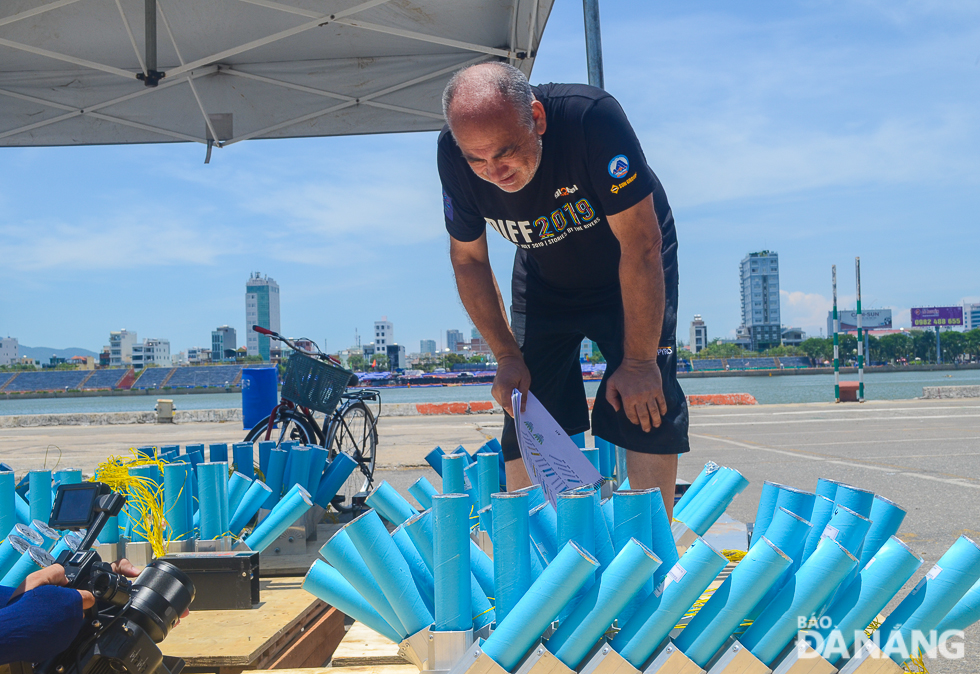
x,y
290,425
354,433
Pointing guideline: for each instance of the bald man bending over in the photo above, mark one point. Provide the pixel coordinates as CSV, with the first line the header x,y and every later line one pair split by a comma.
x,y
558,171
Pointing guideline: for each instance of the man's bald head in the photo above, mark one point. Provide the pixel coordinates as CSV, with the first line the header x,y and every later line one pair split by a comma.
x,y
487,90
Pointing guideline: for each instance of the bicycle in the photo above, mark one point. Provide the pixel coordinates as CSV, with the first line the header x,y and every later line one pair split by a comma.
x,y
315,382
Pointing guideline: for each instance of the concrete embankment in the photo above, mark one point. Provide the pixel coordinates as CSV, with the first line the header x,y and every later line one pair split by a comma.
x,y
235,414
938,392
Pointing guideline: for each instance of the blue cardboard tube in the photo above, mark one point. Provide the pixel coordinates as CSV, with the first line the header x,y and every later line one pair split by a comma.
x,y
423,491
695,488
390,569
238,484
856,499
886,518
823,510
512,550
452,473
299,467
8,509
964,613
434,459
12,548
935,595
488,467
40,481
867,595
265,448
212,485
33,560
257,494
540,605
48,535
713,500
788,532
334,476
420,570
827,488
274,476
731,602
344,557
667,604
618,585
451,536
318,462
544,531
21,509
805,595
390,504
218,452
177,499
292,506
576,522
326,583
244,459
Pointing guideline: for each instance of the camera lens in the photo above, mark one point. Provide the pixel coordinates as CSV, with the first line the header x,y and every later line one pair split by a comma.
x,y
110,587
160,594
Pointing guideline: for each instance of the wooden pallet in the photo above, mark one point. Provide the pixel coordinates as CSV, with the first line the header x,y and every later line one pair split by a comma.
x,y
290,628
363,647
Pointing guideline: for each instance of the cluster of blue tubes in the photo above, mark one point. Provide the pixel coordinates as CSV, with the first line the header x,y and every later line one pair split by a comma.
x,y
831,555
202,499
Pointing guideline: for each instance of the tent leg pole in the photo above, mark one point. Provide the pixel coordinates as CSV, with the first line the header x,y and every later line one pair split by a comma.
x,y
593,42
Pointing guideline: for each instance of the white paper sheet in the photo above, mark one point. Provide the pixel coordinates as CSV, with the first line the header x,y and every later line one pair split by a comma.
x,y
552,459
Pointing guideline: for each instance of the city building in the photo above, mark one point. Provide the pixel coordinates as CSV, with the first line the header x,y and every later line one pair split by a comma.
x,y
699,335
793,336
8,350
198,354
151,352
971,316
453,337
427,347
384,334
261,309
224,343
396,356
121,344
760,299
585,351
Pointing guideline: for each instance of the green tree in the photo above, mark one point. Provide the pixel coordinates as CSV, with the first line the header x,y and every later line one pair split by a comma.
x,y
253,359
954,345
973,343
722,350
356,363
821,349
597,356
897,346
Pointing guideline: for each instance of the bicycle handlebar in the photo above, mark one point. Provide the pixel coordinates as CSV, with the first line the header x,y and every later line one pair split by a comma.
x,y
285,340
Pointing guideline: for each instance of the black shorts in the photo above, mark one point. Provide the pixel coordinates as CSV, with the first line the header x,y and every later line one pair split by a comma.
x,y
551,345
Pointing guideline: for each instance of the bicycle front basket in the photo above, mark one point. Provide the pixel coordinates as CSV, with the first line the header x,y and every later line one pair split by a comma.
x,y
314,383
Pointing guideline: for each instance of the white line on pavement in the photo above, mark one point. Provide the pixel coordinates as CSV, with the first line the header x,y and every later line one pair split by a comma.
x,y
697,423
960,482
840,410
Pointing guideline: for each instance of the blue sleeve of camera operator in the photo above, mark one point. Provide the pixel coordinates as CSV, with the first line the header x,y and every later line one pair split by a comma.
x,y
39,623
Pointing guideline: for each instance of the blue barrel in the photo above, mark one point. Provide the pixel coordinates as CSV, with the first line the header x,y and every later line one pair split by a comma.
x,y
260,393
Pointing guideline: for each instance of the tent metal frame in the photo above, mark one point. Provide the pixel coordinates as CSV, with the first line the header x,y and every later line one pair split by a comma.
x,y
213,65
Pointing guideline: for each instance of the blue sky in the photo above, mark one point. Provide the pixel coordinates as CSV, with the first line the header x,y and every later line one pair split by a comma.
x,y
819,130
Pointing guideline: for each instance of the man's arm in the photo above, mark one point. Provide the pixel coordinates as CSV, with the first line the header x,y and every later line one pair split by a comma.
x,y
636,385
481,297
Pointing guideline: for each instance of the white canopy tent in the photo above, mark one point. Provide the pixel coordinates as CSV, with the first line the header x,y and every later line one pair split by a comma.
x,y
74,72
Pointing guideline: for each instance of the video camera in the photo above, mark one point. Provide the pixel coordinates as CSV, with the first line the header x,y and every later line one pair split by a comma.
x,y
121,632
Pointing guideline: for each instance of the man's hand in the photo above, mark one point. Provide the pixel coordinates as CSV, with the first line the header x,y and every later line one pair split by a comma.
x,y
126,568
637,388
511,373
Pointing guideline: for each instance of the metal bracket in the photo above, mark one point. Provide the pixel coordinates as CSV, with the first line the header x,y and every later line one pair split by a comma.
x,y
736,659
475,661
415,648
446,649
540,661
802,659
870,660
605,660
670,660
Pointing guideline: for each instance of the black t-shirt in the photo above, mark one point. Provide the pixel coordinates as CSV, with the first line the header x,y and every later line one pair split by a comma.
x,y
591,166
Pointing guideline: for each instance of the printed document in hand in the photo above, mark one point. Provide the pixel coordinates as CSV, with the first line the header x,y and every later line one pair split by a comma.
x,y
552,459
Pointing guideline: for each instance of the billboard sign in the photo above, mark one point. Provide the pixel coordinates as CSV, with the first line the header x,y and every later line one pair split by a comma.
x,y
932,317
871,319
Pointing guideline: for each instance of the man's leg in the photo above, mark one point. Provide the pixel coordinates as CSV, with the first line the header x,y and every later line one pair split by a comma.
x,y
550,347
649,471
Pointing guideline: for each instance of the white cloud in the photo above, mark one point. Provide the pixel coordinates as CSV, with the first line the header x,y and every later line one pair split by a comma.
x,y
805,310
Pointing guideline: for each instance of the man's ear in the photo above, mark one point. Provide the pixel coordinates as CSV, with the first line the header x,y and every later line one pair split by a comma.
x,y
540,120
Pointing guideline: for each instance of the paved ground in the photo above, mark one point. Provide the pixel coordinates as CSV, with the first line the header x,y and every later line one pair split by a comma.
x,y
925,455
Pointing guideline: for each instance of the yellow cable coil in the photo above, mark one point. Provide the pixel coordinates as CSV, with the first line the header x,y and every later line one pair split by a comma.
x,y
144,497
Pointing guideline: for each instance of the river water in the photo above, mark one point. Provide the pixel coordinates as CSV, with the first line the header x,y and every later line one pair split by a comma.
x,y
767,390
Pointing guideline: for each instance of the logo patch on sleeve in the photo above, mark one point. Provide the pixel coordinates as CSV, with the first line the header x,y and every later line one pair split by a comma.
x,y
447,206
619,166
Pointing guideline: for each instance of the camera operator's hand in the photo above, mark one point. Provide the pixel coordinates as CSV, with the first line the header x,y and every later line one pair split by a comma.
x,y
53,575
126,568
